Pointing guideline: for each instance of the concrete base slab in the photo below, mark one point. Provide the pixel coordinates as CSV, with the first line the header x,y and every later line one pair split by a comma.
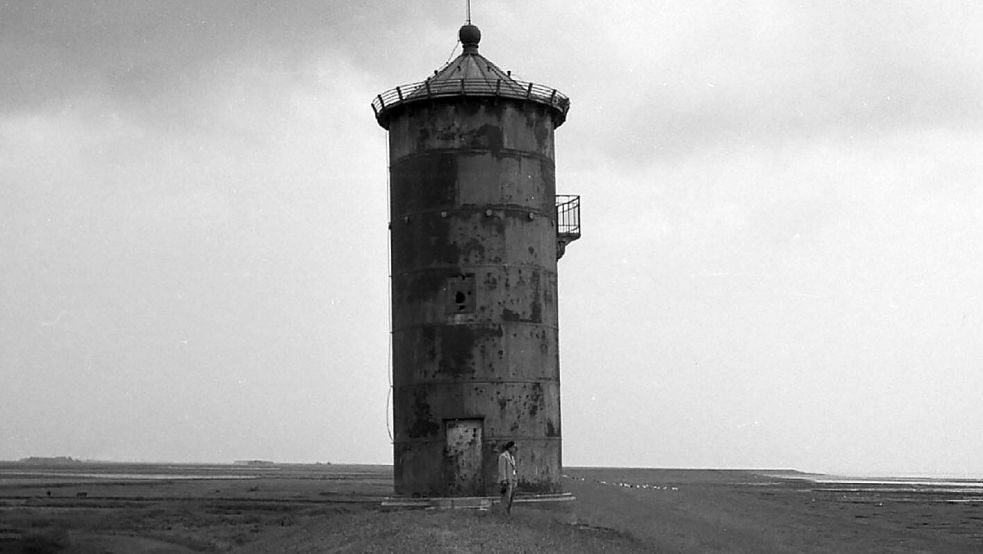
x,y
470,502
554,497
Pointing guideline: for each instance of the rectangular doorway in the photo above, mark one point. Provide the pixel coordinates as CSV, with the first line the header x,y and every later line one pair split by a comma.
x,y
462,457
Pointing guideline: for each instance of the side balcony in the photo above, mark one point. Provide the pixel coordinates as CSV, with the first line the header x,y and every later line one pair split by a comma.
x,y
567,221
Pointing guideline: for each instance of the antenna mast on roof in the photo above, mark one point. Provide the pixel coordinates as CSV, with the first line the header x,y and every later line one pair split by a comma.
x,y
468,4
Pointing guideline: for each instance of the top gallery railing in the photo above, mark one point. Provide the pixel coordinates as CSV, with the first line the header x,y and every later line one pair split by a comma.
x,y
503,88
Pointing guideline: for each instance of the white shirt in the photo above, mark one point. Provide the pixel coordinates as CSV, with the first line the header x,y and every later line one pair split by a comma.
x,y
506,468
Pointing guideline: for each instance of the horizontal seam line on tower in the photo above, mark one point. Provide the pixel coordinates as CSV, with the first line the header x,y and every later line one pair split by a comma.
x,y
550,214
404,328
524,438
468,266
465,151
477,381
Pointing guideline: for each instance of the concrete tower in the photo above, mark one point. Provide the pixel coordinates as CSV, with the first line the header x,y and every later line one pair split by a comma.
x,y
476,229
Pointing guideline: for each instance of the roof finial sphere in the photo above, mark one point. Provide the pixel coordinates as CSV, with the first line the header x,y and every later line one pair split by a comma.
x,y
469,35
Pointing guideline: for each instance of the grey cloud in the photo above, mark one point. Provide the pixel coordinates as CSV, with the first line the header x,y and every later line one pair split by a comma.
x,y
56,51
852,74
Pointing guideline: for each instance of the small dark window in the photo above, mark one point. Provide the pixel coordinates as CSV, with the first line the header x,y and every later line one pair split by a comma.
x,y
460,294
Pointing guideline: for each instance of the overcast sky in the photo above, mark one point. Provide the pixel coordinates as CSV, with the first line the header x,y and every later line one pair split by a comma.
x,y
781,267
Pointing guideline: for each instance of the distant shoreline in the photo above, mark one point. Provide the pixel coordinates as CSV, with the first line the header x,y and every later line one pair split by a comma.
x,y
830,477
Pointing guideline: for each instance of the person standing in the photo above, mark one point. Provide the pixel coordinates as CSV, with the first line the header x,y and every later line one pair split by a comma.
x,y
507,476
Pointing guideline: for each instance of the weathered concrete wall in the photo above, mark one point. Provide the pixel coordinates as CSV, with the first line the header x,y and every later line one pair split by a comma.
x,y
473,227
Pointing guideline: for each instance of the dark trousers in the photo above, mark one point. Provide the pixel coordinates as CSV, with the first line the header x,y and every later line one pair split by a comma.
x,y
508,495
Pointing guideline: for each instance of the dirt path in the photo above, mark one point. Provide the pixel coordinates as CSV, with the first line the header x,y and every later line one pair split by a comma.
x,y
530,530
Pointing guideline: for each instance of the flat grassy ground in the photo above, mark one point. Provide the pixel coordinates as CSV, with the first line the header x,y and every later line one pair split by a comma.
x,y
332,508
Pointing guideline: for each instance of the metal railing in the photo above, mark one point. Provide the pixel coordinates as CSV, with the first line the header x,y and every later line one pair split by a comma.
x,y
503,88
568,216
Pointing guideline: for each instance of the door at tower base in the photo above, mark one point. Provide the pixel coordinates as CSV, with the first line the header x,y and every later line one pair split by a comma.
x,y
462,457
433,448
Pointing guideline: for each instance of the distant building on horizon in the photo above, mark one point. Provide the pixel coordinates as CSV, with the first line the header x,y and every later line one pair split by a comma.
x,y
254,463
476,231
52,460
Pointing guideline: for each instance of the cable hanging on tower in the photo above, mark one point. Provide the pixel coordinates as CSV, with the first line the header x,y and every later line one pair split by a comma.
x,y
389,361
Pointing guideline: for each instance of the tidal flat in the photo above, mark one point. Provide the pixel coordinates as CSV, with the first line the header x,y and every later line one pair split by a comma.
x,y
180,508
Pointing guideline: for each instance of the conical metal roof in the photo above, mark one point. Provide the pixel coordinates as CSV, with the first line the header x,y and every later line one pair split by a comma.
x,y
471,66
470,74
478,73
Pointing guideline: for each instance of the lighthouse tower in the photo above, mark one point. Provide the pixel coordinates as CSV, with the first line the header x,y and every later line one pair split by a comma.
x,y
476,231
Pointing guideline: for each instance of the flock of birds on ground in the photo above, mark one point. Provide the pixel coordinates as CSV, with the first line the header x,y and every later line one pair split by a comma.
x,y
651,486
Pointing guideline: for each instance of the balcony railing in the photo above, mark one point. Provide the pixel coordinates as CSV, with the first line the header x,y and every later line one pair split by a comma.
x,y
503,88
567,221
